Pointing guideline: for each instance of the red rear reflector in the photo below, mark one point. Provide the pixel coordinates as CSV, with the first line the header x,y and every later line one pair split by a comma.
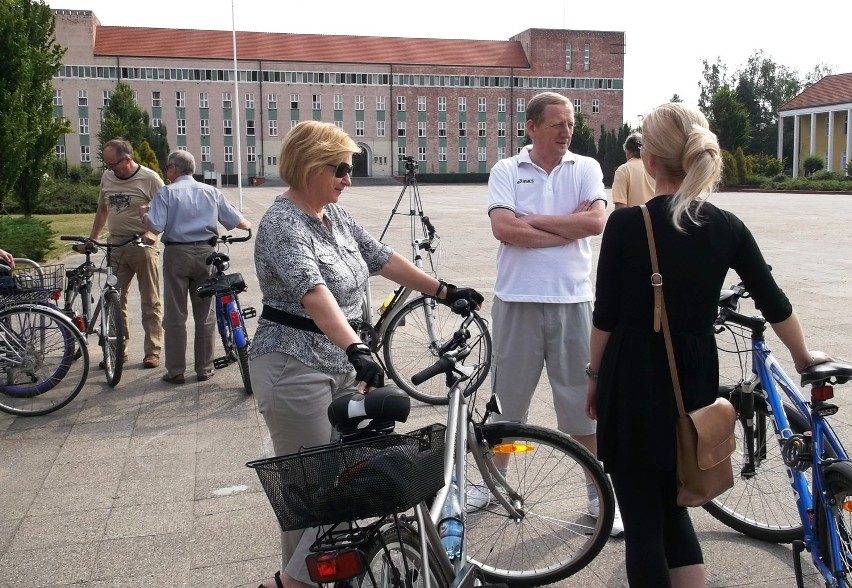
x,y
226,299
335,566
56,295
235,318
822,393
78,320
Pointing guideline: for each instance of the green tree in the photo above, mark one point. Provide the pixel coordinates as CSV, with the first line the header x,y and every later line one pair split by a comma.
x,y
583,141
146,156
729,169
715,77
675,98
819,71
28,131
743,168
728,118
123,118
160,144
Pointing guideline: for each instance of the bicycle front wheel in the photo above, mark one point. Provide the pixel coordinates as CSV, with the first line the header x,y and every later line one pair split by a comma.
x,y
556,535
412,341
38,369
113,339
761,504
401,560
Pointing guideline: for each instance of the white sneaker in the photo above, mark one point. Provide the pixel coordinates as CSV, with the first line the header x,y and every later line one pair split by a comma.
x,y
594,509
478,497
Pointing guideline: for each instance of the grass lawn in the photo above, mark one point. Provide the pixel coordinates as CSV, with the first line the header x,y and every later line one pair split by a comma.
x,y
66,224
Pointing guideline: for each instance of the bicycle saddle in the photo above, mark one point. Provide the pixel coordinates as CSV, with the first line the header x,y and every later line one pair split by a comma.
x,y
839,370
375,412
217,255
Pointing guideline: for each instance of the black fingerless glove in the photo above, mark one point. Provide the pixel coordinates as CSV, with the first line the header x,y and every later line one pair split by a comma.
x,y
366,369
454,294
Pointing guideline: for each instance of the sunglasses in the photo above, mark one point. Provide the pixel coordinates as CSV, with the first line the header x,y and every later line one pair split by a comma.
x,y
341,169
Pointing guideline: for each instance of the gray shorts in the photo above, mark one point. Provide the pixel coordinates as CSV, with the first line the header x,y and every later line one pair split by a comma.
x,y
531,336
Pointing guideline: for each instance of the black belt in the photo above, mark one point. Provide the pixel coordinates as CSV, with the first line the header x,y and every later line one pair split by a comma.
x,y
211,241
295,321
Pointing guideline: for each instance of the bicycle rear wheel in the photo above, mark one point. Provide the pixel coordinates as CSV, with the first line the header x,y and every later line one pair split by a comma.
x,y
413,338
38,370
761,505
243,361
384,565
838,482
113,340
556,536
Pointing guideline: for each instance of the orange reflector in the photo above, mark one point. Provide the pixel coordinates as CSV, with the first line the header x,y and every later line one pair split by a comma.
x,y
512,448
847,505
335,566
822,393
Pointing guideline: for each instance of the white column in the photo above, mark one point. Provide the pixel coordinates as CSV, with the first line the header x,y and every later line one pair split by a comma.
x,y
848,135
812,146
797,137
780,137
829,153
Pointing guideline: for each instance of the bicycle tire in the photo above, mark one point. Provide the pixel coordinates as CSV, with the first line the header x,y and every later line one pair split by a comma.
x,y
838,482
557,536
243,361
226,333
408,348
762,506
38,370
405,543
113,341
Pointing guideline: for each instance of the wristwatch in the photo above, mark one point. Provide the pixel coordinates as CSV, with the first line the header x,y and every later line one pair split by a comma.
x,y
590,373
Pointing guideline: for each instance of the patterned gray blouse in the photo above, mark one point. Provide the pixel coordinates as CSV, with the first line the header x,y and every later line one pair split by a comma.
x,y
294,252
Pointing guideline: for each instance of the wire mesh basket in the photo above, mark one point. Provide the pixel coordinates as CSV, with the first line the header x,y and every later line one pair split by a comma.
x,y
28,284
346,482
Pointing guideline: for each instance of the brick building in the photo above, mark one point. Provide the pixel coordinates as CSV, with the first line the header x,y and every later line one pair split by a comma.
x,y
456,106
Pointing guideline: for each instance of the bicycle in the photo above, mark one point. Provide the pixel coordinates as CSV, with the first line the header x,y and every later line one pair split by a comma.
x,y
230,316
105,320
44,360
410,334
805,455
534,529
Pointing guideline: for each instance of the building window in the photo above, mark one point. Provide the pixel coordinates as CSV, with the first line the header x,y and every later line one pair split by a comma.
x,y
251,153
421,104
578,105
380,128
462,129
400,153
227,129
359,103
501,152
250,100
250,128
181,126
400,128
294,101
567,56
442,128
156,122
521,105
82,98
180,99
338,102
294,122
359,128
316,102
226,99
587,57
596,106
85,154
421,129
380,103
501,129
60,152
205,126
272,101
481,104
442,104
105,97
273,128
482,154
482,129
84,126
462,153
155,100
462,104
400,103
205,154
229,154
338,124
57,99
501,104
272,160
521,129
203,100
421,154
442,153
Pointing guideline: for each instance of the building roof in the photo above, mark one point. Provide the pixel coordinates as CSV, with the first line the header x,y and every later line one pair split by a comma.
x,y
829,91
151,42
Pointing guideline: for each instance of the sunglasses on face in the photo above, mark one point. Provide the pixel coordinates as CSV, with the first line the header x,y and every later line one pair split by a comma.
x,y
341,169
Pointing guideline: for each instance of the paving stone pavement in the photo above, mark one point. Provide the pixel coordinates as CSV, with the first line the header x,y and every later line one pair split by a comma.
x,y
145,485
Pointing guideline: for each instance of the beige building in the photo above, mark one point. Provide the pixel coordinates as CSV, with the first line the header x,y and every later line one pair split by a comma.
x,y
456,106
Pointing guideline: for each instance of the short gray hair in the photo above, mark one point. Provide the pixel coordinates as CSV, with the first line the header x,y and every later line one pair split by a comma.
x,y
183,161
633,144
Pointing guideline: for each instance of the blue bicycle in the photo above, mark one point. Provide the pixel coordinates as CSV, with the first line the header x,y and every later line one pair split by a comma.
x,y
230,316
785,440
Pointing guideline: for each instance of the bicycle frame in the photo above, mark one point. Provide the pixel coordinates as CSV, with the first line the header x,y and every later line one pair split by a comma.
x,y
228,313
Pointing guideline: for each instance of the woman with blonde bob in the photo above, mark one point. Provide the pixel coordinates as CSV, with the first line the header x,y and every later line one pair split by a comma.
x,y
313,261
630,388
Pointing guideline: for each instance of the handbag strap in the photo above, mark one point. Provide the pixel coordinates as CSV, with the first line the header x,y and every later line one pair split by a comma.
x,y
660,317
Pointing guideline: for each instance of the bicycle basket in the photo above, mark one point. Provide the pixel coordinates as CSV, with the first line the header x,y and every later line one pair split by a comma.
x,y
27,284
345,482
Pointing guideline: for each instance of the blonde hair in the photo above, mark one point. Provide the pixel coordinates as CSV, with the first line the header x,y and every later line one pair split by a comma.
x,y
680,138
309,146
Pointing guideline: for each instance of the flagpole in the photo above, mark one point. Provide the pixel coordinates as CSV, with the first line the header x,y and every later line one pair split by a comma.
x,y
236,104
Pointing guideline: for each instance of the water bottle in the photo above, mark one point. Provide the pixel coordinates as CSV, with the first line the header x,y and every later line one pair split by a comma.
x,y
451,527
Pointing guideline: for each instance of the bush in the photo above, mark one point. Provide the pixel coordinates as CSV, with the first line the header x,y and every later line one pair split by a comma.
x,y
766,165
812,163
755,181
743,167
729,169
849,168
827,175
26,237
62,198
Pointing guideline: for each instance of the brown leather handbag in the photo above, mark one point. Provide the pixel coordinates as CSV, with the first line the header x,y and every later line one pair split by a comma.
x,y
705,437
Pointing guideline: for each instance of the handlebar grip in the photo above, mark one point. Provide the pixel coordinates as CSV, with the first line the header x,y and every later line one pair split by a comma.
x,y
230,239
439,367
71,238
430,228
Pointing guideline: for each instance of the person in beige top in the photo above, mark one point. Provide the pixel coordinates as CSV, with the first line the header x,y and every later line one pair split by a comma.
x,y
125,187
631,185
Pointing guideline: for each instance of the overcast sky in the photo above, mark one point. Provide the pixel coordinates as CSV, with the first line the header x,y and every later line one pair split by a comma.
x,y
666,40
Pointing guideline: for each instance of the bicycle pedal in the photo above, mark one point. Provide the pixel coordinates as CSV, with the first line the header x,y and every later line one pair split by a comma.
x,y
221,362
248,312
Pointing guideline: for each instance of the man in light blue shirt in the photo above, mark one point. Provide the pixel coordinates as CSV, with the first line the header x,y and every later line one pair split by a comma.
x,y
188,213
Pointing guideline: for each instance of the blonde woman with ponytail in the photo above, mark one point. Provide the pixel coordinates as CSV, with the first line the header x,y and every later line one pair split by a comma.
x,y
631,396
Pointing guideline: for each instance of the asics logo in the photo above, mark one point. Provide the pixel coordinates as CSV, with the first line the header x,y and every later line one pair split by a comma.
x,y
524,181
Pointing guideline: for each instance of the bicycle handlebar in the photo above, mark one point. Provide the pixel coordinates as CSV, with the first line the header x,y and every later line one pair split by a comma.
x,y
453,350
135,238
228,239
